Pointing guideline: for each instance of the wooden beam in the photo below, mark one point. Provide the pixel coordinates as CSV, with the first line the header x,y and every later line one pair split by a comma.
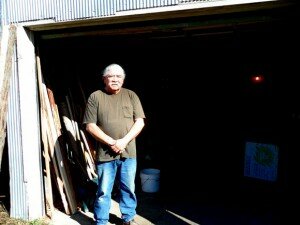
x,y
7,44
44,130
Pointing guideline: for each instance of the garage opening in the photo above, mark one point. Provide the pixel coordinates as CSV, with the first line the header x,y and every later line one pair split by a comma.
x,y
195,83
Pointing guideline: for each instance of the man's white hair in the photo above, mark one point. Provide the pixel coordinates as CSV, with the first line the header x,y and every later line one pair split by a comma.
x,y
115,68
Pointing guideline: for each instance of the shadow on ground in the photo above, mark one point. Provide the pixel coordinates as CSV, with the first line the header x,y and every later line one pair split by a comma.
x,y
175,209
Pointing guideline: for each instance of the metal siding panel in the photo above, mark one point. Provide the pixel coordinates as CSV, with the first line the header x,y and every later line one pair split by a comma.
x,y
59,9
54,9
18,196
1,13
125,5
107,7
16,11
10,11
73,11
48,9
122,4
13,11
85,12
30,123
24,150
34,12
80,10
101,7
142,4
113,8
57,6
118,5
186,1
4,18
66,10
63,11
41,10
35,9
152,3
69,7
91,8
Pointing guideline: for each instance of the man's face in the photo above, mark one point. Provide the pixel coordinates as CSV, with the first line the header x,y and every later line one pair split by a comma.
x,y
113,81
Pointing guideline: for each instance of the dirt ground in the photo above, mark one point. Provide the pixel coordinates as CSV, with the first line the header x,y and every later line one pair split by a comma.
x,y
60,218
150,211
5,219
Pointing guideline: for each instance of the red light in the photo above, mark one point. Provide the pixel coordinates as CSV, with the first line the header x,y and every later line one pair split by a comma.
x,y
257,79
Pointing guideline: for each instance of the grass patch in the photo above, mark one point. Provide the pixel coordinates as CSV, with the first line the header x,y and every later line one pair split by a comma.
x,y
6,220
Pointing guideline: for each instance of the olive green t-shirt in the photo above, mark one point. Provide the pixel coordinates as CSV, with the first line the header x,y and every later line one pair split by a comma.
x,y
115,115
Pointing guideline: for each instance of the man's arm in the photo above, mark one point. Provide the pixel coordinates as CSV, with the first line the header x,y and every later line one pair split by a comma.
x,y
116,145
99,135
134,131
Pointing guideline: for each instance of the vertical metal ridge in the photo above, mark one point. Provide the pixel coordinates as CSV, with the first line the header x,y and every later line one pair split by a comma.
x,y
16,166
125,5
16,11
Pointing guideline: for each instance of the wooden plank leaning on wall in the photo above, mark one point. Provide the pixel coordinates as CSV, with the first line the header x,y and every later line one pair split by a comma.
x,y
8,40
53,150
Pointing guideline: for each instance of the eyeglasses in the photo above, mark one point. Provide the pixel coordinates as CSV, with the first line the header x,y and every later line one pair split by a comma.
x,y
116,76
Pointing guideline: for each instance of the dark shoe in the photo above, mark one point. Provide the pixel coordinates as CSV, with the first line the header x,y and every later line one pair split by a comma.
x,y
132,222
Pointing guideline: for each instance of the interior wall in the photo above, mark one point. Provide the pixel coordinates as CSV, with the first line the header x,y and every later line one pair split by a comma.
x,y
200,103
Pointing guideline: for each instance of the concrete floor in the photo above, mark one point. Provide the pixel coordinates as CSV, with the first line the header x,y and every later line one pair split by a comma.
x,y
86,218
152,209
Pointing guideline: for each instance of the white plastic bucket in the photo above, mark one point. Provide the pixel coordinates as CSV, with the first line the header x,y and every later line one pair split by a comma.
x,y
150,180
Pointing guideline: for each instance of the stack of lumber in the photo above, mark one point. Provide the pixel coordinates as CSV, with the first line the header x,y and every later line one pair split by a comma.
x,y
67,152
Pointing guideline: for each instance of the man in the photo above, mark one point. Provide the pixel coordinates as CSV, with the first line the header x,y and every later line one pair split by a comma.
x,y
114,117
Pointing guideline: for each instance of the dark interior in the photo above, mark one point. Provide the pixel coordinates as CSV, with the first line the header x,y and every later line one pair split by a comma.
x,y
194,78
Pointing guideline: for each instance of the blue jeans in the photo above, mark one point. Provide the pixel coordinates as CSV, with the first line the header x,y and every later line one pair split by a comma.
x,y
125,170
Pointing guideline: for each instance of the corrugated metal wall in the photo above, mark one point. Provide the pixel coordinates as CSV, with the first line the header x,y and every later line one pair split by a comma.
x,y
123,5
16,165
189,1
16,11
1,21
24,148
